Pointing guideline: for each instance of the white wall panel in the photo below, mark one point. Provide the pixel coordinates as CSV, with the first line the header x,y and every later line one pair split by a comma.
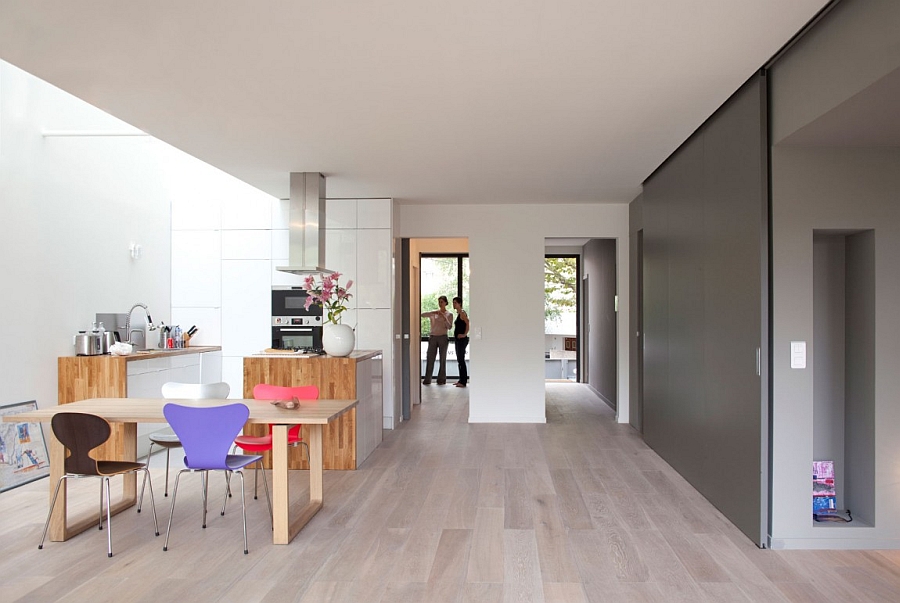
x,y
247,212
374,213
281,245
196,268
196,213
281,214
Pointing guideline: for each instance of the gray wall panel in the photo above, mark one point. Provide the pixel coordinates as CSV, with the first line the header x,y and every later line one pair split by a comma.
x,y
599,256
704,225
635,358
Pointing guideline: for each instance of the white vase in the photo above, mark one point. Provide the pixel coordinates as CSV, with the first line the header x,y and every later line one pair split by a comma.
x,y
338,340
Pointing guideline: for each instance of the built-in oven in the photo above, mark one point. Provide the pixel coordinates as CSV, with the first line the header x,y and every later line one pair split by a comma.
x,y
293,325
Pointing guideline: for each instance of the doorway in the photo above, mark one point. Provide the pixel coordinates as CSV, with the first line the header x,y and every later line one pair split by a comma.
x,y
441,274
562,324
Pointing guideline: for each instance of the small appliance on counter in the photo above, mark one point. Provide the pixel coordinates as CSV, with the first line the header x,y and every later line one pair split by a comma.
x,y
95,342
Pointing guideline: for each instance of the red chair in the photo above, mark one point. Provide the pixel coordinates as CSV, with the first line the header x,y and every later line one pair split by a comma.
x,y
257,444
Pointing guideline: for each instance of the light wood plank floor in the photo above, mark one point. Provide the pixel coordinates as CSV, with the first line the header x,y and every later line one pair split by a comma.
x,y
576,510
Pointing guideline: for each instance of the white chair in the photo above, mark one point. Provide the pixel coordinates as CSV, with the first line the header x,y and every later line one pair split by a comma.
x,y
181,391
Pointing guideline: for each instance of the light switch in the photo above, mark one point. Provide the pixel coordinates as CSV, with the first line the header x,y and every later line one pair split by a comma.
x,y
798,354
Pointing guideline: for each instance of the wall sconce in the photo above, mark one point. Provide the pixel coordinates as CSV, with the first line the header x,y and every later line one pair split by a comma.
x,y
135,250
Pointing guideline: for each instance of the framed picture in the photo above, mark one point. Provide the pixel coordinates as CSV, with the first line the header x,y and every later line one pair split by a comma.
x,y
23,451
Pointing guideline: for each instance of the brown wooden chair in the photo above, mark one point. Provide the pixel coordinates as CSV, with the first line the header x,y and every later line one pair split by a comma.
x,y
80,433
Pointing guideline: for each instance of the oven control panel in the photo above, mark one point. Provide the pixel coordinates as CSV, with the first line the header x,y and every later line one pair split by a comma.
x,y
296,321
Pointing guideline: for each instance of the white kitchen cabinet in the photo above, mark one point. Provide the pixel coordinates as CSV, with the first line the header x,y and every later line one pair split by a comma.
x,y
374,213
341,256
246,306
373,268
368,409
246,244
340,213
197,268
207,320
374,328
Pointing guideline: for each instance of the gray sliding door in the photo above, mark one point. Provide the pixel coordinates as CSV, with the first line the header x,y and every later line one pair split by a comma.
x,y
705,310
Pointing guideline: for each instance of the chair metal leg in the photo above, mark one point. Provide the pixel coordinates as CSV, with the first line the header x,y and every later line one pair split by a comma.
x,y
100,523
227,493
244,512
146,477
152,502
172,509
108,517
256,480
268,498
168,451
205,480
50,512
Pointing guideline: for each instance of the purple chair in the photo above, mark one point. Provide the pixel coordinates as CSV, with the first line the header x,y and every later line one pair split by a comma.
x,y
206,434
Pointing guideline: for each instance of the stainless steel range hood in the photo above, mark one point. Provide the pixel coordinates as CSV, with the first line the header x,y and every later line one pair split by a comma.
x,y
307,225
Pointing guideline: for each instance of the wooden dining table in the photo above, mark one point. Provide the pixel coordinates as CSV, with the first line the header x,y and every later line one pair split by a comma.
x,y
130,411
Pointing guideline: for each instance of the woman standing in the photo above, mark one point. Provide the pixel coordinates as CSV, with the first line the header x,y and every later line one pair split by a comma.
x,y
441,321
461,334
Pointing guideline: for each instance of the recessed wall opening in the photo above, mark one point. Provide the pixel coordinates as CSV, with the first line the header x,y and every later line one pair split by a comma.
x,y
844,366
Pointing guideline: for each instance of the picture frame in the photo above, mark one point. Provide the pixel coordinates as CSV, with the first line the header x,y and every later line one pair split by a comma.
x,y
23,449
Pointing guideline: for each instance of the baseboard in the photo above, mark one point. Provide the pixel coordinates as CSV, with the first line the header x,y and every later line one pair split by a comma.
x,y
601,396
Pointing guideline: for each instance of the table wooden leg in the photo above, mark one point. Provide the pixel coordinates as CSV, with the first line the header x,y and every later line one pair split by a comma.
x,y
284,528
280,490
316,464
57,470
129,480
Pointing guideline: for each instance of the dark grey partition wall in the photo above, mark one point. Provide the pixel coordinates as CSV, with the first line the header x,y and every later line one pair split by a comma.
x,y
705,216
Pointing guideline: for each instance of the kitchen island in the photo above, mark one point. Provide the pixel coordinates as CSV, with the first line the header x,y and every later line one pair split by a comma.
x,y
349,439
137,375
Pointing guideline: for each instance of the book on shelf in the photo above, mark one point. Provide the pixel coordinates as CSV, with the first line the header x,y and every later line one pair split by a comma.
x,y
824,494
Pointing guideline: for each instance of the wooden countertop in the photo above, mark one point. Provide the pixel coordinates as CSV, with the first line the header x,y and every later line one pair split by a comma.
x,y
354,355
145,355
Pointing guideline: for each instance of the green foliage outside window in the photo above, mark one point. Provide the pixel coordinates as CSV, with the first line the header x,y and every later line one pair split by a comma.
x,y
560,286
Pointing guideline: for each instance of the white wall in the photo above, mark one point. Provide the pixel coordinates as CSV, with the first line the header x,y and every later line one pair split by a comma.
x,y
70,206
506,256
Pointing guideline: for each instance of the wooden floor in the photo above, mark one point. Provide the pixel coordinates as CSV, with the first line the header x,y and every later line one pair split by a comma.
x,y
575,510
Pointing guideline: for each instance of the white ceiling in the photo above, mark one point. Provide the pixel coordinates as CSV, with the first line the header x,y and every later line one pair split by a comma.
x,y
471,101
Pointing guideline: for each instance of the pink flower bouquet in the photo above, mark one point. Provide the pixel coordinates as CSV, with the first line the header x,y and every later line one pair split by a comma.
x,y
328,294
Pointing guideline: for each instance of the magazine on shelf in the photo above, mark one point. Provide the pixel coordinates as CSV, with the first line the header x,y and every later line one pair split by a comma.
x,y
824,495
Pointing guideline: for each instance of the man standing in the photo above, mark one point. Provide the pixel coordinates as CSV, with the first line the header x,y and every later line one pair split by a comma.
x,y
441,321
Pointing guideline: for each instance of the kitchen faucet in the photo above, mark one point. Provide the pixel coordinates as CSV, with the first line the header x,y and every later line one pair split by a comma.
x,y
128,328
